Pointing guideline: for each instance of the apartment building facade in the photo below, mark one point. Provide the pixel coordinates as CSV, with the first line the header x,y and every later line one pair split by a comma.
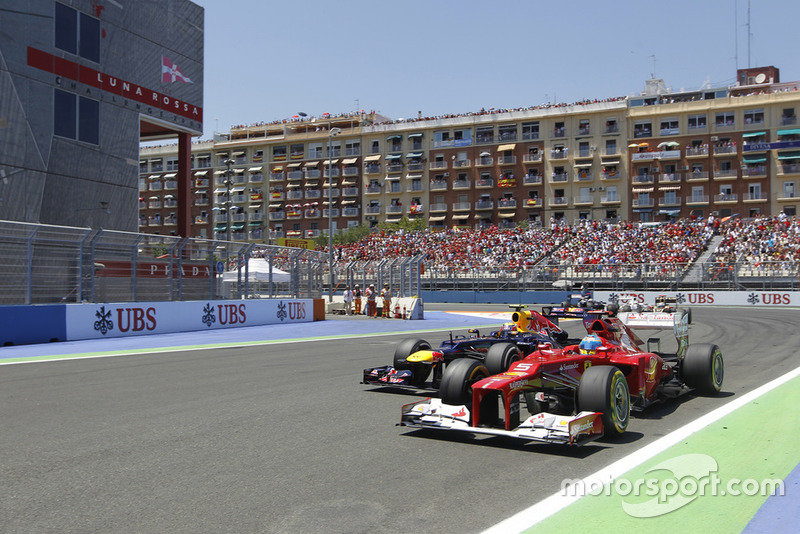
x,y
644,158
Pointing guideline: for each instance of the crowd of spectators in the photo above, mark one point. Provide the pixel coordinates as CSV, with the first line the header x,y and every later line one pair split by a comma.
x,y
459,250
590,246
760,241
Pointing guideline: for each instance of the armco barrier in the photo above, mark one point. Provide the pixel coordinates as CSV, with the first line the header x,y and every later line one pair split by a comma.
x,y
70,322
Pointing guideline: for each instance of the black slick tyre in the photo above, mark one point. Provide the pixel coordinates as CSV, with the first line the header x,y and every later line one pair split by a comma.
x,y
603,388
703,368
500,357
456,388
404,349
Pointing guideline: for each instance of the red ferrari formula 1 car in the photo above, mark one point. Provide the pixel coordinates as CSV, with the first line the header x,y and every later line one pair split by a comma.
x,y
574,394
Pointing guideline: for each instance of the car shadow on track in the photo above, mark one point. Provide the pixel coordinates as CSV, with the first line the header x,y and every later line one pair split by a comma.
x,y
670,406
500,442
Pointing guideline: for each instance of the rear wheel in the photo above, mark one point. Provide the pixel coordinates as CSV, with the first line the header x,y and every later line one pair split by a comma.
x,y
404,349
457,381
500,357
603,388
703,368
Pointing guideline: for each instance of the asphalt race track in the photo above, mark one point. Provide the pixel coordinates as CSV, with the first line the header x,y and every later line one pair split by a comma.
x,y
282,437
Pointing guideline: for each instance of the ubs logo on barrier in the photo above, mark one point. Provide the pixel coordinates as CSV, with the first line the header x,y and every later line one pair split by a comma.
x,y
103,323
208,315
296,310
128,319
232,314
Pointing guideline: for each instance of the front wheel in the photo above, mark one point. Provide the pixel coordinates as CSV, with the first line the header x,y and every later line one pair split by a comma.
x,y
703,368
500,357
456,388
603,388
404,349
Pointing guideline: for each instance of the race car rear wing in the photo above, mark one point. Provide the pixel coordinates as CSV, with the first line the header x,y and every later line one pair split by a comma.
x,y
677,321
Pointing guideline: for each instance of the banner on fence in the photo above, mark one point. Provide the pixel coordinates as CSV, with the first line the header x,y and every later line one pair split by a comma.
x,y
101,320
777,299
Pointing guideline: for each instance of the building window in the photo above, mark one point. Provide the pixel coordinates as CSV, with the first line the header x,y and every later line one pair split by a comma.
x,y
296,151
643,129
697,122
754,116
724,118
352,148
484,134
279,153
77,33
507,132
611,147
530,130
76,117
669,127
375,147
583,127
611,126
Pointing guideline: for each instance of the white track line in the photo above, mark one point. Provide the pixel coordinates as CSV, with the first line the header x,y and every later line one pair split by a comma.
x,y
558,501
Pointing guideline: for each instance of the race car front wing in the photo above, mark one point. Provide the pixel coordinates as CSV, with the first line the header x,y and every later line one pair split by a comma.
x,y
576,430
387,376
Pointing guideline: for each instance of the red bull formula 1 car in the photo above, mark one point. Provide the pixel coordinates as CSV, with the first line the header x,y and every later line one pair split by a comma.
x,y
574,394
415,360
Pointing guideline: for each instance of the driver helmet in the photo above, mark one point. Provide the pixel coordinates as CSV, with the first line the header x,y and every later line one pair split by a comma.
x,y
590,344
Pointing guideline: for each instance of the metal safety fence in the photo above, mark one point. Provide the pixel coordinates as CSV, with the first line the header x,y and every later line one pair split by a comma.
x,y
713,275
44,264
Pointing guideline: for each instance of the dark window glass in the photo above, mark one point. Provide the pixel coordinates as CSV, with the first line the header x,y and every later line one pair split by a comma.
x,y
89,121
66,28
65,114
90,38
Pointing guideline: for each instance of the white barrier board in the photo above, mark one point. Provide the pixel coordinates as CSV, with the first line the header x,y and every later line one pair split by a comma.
x,y
774,299
101,320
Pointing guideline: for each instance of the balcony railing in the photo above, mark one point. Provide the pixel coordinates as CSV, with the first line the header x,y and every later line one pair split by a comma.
x,y
461,184
532,179
697,151
559,177
438,185
484,205
669,178
438,165
484,183
670,201
507,203
726,197
532,158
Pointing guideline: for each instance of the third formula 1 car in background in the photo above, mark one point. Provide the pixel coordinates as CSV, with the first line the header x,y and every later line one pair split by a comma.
x,y
415,360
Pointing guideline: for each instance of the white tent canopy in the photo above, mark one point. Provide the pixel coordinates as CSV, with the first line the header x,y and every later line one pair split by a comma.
x,y
258,271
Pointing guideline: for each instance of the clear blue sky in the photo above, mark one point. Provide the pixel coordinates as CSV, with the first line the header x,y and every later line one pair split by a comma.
x,y
267,60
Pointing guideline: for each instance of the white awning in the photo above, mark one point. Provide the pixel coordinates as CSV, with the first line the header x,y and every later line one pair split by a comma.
x,y
255,169
642,189
503,148
329,162
376,157
506,215
201,173
436,219
293,165
311,164
349,161
170,175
